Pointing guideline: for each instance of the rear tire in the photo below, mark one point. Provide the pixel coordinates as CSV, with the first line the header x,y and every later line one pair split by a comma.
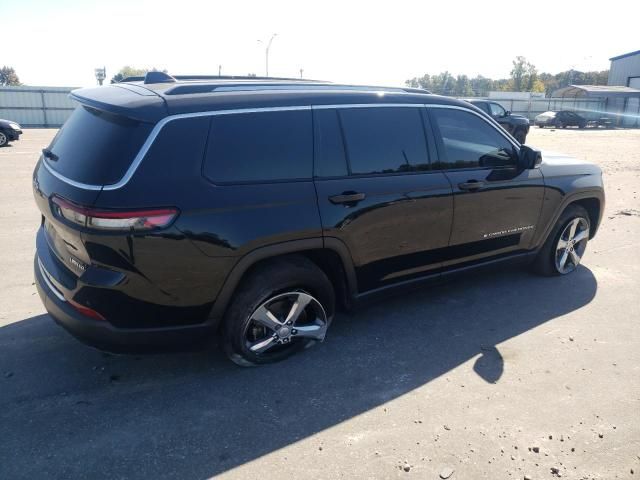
x,y
256,330
565,245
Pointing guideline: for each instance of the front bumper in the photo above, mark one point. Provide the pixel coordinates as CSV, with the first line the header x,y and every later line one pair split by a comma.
x,y
103,335
12,135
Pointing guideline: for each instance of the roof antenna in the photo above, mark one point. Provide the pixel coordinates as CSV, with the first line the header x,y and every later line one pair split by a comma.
x,y
158,77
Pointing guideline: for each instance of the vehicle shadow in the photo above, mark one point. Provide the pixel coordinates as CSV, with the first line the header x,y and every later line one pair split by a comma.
x,y
68,411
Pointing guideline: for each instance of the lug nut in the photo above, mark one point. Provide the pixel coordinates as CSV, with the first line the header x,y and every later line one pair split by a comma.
x,y
294,331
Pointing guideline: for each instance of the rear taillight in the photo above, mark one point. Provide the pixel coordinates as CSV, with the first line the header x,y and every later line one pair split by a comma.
x,y
113,220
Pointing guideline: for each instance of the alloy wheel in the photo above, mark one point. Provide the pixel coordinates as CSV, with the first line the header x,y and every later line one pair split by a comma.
x,y
3,139
571,245
284,321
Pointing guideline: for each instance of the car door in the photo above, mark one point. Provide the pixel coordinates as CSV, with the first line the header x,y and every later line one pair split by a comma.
x,y
377,193
499,114
496,203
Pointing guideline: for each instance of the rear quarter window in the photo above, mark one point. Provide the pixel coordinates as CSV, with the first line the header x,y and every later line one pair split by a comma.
x,y
259,147
97,147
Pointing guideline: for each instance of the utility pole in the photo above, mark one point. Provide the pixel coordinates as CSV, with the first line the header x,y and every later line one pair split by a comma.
x,y
301,71
101,74
219,70
267,53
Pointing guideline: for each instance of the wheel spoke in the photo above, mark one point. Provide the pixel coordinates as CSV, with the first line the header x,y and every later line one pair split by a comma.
x,y
297,308
575,258
263,345
563,260
562,244
581,236
312,331
264,317
574,225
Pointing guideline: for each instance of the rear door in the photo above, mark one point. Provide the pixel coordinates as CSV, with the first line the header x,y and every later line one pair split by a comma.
x,y
377,192
496,204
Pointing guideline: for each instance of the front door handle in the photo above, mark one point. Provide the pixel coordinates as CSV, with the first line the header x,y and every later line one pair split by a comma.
x,y
471,185
347,197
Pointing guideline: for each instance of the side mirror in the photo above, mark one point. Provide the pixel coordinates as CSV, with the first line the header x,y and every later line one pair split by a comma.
x,y
507,113
529,158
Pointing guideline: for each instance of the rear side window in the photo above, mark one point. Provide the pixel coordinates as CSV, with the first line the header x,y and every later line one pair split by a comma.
x,y
470,142
97,147
259,147
384,140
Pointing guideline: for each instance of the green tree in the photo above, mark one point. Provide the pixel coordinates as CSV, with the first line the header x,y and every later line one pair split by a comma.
x,y
128,71
8,77
523,75
462,86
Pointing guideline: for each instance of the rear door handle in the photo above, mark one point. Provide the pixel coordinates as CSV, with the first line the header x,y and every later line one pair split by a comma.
x,y
471,185
347,197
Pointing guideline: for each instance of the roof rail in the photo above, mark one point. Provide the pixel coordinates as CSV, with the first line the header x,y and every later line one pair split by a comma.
x,y
162,77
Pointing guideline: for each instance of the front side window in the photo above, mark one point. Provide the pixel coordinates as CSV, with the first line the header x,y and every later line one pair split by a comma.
x,y
384,140
259,147
497,110
469,141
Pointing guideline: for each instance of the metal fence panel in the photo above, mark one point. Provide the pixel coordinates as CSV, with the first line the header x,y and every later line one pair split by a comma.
x,y
36,106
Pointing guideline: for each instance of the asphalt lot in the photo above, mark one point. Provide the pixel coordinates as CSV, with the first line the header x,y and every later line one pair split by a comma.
x,y
497,376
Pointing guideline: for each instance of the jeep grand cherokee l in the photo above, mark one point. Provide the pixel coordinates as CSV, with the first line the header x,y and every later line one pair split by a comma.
x,y
173,210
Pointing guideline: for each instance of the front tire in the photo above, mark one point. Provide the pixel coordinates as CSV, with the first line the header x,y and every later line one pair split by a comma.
x,y
283,307
520,136
4,140
563,250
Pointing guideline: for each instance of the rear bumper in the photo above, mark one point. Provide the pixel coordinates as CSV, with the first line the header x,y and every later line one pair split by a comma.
x,y
104,336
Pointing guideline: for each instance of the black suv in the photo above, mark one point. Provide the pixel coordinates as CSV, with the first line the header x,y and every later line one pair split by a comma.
x,y
173,210
516,125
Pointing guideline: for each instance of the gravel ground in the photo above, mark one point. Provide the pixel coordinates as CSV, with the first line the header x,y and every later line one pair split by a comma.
x,y
502,376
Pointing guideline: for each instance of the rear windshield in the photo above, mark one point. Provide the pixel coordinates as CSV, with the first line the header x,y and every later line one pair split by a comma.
x,y
97,147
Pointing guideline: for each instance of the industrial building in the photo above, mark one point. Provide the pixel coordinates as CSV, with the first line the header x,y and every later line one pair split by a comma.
x,y
621,95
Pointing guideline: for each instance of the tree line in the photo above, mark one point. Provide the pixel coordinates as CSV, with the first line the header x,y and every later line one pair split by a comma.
x,y
524,77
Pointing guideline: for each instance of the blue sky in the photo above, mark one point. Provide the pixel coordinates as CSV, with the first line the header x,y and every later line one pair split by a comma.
x,y
60,42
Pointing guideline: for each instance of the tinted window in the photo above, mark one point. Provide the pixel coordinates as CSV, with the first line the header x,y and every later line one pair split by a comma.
x,y
497,110
330,160
97,147
384,140
482,106
470,141
263,146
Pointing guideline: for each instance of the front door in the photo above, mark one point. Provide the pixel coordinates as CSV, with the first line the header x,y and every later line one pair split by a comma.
x,y
496,204
377,193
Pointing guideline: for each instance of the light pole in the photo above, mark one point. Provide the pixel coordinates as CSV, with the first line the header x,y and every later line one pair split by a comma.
x,y
267,53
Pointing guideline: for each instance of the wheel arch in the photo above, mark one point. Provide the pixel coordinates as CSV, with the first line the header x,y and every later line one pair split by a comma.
x,y
329,254
591,200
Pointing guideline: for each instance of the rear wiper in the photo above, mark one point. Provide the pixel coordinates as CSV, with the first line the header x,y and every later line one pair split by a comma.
x,y
49,154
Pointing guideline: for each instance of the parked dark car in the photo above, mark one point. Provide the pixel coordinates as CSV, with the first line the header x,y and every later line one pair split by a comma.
x,y
173,211
561,119
516,125
9,132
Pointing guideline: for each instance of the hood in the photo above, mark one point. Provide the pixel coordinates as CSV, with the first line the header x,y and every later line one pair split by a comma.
x,y
5,123
555,164
520,118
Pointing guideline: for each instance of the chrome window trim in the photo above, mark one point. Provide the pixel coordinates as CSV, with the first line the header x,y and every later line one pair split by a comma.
x,y
160,125
45,277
